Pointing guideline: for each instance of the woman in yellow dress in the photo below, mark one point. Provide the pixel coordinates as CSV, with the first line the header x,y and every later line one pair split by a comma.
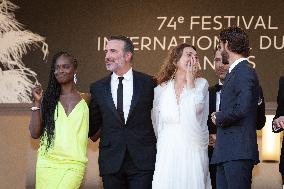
x,y
60,118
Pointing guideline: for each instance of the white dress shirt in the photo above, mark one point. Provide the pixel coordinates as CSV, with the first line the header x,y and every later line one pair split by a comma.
x,y
127,90
218,97
236,63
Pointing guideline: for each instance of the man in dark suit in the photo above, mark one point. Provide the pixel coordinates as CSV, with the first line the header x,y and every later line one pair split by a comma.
x,y
120,109
278,122
221,70
236,149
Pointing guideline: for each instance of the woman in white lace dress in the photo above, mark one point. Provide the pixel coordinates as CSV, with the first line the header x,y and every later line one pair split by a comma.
x,y
180,113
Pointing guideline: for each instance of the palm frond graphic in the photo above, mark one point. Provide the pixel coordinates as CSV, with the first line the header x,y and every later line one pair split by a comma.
x,y
16,81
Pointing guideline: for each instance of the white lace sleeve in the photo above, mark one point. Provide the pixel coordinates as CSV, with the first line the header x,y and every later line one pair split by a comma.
x,y
202,105
200,97
197,108
156,109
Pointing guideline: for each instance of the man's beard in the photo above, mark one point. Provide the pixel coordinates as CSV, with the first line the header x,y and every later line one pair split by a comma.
x,y
225,57
113,66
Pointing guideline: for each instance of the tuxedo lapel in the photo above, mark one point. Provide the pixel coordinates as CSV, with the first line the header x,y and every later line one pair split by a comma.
x,y
229,75
109,99
212,99
227,79
137,85
212,108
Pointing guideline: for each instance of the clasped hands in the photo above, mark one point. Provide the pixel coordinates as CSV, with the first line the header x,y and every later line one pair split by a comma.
x,y
279,122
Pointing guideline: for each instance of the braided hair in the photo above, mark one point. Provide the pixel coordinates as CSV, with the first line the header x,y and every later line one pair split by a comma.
x,y
50,101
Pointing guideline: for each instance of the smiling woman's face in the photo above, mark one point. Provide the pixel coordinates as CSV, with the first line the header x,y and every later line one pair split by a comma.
x,y
64,70
184,60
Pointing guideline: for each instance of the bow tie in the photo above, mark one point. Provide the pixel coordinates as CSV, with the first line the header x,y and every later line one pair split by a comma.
x,y
218,87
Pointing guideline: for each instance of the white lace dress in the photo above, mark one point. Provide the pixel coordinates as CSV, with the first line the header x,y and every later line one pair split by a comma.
x,y
182,133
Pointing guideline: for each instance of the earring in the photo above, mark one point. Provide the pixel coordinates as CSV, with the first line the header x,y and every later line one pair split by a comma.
x,y
173,75
75,78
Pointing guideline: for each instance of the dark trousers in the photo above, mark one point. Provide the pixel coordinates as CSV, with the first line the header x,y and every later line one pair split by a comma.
x,y
234,174
128,177
212,168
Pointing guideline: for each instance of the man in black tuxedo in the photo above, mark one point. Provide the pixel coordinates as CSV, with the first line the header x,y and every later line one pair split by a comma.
x,y
214,102
278,122
221,70
236,150
120,110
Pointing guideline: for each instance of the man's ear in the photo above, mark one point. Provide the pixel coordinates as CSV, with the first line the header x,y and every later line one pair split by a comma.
x,y
226,46
128,56
75,71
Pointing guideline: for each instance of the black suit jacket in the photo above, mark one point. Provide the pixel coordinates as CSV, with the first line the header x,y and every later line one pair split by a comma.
x,y
136,136
236,121
212,108
261,119
280,112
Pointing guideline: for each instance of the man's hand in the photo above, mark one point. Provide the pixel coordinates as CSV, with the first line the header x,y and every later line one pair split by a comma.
x,y
213,117
212,139
279,122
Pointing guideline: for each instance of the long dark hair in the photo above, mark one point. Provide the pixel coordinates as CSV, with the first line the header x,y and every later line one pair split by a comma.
x,y
169,67
50,101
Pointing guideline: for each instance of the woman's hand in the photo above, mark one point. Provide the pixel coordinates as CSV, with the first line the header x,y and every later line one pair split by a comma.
x,y
191,71
35,122
37,94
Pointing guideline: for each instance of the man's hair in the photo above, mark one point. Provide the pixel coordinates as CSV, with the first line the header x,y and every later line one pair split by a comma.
x,y
238,40
128,45
217,48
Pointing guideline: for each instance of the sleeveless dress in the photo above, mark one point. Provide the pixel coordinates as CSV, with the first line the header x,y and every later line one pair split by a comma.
x,y
63,165
182,137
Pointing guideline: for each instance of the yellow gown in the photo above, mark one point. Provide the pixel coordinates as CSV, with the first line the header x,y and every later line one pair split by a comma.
x,y
63,165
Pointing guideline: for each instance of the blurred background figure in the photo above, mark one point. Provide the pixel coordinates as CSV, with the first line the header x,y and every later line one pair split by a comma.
x,y
278,122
